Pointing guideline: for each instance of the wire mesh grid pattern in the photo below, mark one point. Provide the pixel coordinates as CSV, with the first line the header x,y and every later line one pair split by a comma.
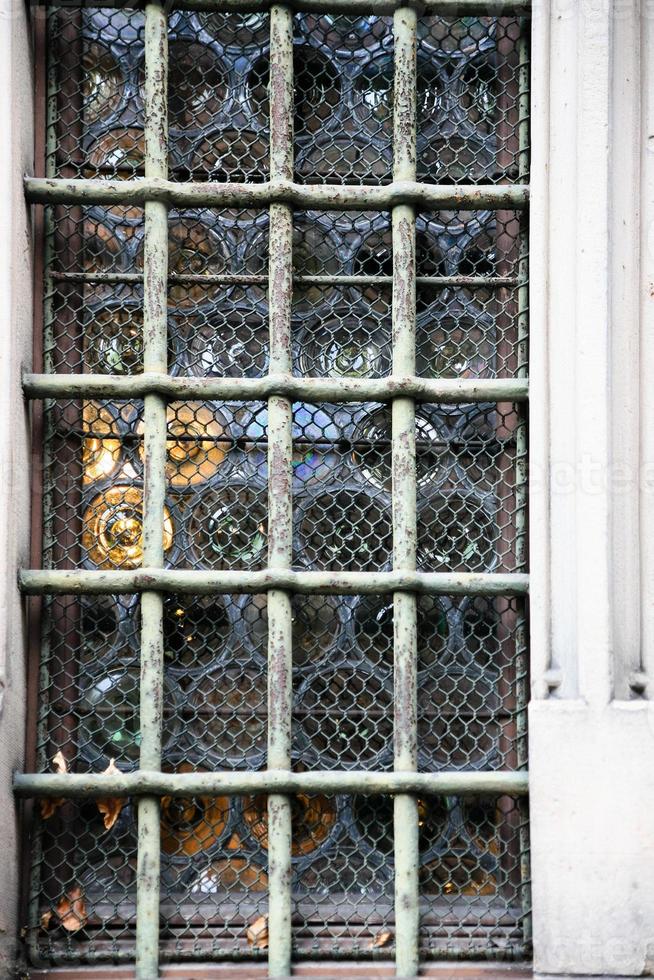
x,y
324,479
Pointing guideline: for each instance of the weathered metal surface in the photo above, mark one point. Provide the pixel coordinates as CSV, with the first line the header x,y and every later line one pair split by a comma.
x,y
235,279
438,390
405,728
155,344
144,783
445,8
88,582
280,507
326,197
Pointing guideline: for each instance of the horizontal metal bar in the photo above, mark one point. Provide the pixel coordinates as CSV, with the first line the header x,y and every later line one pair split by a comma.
x,y
236,279
143,783
82,581
327,197
445,390
445,8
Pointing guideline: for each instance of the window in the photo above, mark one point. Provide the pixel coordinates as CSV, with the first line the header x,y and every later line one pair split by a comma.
x,y
283,663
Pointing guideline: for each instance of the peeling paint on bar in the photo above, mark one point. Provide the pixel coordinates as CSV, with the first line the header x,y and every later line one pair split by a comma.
x,y
327,197
280,507
405,622
155,356
228,783
234,279
444,390
131,582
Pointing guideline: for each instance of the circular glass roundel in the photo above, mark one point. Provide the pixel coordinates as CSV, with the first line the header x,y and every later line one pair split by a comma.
x,y
102,83
317,90
109,710
347,34
373,818
459,37
453,349
346,715
312,819
194,250
190,825
234,873
371,449
233,346
113,528
230,714
346,530
455,533
374,630
228,528
118,150
101,447
316,626
196,631
196,86
113,342
197,443
345,349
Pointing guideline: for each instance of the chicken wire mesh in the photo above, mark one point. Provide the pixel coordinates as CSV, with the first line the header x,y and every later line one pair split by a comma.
x,y
471,650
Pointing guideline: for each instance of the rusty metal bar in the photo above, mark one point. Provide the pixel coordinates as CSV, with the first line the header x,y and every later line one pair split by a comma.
x,y
405,725
229,783
445,8
236,279
325,197
280,502
446,390
155,359
82,581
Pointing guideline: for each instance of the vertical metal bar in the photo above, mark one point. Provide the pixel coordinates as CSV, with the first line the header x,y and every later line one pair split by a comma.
x,y
522,370
155,269
280,504
404,495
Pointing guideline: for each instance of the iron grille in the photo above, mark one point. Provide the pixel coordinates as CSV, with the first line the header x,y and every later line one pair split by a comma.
x,y
284,504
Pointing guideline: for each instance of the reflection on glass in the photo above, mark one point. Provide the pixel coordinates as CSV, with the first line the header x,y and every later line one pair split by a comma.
x,y
113,528
236,873
374,630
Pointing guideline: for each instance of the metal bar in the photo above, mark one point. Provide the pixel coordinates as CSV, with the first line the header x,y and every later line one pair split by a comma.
x,y
229,783
326,197
235,279
81,581
405,726
445,8
155,358
521,467
445,390
280,504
